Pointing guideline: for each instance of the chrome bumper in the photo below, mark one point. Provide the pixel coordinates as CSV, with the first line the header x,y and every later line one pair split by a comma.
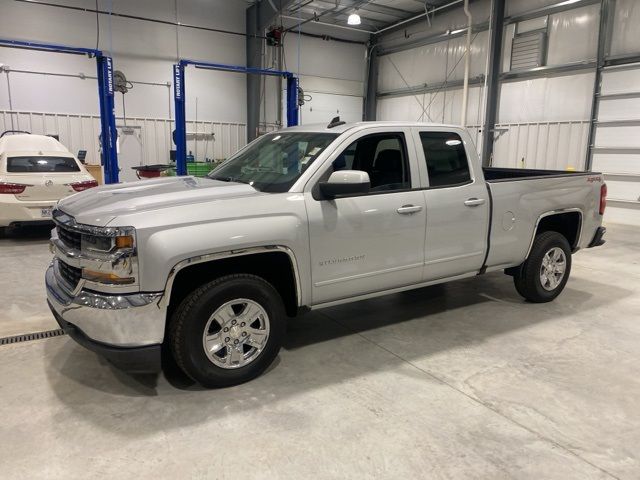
x,y
124,320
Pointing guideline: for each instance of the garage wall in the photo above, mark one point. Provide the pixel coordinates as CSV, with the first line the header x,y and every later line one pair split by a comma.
x,y
144,51
331,74
534,113
422,83
544,120
544,114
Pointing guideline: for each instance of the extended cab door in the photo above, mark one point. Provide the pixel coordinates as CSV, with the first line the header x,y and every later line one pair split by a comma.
x,y
457,202
368,242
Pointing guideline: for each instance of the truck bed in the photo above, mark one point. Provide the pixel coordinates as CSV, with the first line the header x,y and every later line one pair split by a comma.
x,y
494,174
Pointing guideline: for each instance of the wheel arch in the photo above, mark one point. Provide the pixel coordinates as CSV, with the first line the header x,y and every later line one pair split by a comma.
x,y
274,263
568,222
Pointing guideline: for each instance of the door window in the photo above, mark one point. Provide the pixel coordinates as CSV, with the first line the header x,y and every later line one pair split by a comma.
x,y
382,156
447,163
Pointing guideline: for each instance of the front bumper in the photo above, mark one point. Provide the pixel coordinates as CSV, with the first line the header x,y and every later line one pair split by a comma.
x,y
112,325
132,359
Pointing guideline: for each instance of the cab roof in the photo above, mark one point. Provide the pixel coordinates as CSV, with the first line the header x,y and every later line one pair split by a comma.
x,y
323,127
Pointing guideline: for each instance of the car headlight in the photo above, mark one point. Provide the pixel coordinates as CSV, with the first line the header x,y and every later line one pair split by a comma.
x,y
107,241
116,245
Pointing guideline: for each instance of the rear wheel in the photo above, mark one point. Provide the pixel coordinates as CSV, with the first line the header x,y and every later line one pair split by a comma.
x,y
544,274
228,331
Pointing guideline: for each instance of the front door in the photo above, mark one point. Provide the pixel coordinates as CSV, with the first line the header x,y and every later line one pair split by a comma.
x,y
372,242
457,207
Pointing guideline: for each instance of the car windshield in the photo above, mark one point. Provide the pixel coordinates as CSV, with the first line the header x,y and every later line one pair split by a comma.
x,y
39,164
275,161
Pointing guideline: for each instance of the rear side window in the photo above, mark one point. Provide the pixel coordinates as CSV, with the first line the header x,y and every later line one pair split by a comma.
x,y
446,159
41,165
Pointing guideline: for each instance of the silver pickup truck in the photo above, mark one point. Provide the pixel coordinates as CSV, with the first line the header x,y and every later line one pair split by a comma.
x,y
207,270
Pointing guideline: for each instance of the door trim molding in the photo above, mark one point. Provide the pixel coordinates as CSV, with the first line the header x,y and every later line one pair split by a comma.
x,y
368,274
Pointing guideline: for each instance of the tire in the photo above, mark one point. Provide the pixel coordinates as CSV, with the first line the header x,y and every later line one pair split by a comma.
x,y
538,283
223,304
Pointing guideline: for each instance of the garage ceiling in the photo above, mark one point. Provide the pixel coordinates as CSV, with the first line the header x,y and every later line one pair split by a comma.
x,y
375,14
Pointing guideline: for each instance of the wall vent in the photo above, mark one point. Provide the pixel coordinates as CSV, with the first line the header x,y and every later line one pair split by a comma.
x,y
528,50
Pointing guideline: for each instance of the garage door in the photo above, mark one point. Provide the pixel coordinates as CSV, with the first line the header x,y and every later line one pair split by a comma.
x,y
322,107
616,150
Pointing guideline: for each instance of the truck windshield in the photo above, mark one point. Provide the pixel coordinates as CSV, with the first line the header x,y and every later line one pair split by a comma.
x,y
275,161
39,164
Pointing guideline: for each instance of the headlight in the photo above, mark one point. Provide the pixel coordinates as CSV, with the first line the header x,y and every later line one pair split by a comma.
x,y
108,240
94,243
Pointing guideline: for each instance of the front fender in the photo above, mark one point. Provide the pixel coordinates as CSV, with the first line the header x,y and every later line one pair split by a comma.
x,y
164,252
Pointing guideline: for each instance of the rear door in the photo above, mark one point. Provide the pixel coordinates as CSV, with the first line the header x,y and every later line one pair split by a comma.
x,y
457,205
47,176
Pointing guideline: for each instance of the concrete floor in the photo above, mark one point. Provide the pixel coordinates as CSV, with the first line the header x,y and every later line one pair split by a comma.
x,y
457,381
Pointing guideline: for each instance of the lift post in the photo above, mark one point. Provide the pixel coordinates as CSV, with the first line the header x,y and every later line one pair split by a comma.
x,y
180,137
108,134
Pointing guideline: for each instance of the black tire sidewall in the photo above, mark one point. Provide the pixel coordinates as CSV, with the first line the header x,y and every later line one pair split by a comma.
x,y
195,312
528,281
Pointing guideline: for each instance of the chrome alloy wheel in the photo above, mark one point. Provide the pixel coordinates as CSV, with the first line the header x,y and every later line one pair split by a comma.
x,y
552,270
236,333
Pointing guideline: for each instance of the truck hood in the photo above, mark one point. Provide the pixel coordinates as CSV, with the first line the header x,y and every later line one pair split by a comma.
x,y
99,206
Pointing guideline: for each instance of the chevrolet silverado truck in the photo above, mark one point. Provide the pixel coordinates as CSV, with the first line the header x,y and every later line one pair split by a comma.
x,y
207,270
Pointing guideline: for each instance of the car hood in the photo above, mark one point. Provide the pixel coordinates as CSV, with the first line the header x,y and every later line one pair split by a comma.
x,y
99,206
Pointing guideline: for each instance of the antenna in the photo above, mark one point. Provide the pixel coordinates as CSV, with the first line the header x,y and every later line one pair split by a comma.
x,y
335,121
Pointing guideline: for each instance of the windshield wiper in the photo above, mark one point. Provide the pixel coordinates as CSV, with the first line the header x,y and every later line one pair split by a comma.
x,y
229,179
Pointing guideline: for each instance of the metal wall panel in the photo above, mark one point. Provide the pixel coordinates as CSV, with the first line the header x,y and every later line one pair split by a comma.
x,y
560,98
625,38
617,163
617,141
80,132
429,64
573,35
541,145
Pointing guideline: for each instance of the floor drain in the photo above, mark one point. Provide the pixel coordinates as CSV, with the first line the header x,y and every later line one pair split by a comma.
x,y
31,336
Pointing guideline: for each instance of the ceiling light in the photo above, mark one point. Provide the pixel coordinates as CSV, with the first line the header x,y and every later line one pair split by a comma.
x,y
354,19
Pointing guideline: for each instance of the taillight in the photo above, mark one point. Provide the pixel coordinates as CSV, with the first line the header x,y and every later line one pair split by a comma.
x,y
80,186
14,188
603,198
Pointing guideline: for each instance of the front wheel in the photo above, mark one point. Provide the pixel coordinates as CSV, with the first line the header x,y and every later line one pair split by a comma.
x,y
544,274
228,331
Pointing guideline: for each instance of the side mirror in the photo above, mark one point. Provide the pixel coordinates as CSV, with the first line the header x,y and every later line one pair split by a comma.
x,y
345,182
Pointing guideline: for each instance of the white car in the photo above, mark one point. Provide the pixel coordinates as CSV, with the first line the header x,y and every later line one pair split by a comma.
x,y
35,172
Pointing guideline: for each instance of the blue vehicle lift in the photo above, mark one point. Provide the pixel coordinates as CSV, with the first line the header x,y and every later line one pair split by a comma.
x,y
108,134
180,138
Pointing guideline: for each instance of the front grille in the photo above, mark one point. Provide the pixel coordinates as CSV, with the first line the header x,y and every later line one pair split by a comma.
x,y
70,274
70,238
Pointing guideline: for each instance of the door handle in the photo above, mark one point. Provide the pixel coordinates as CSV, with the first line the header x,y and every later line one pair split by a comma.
x,y
474,202
409,209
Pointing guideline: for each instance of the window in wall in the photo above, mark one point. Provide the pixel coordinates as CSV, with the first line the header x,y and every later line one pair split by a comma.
x,y
382,156
447,163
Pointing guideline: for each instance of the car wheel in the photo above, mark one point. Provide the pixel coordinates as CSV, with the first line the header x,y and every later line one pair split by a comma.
x,y
544,274
228,331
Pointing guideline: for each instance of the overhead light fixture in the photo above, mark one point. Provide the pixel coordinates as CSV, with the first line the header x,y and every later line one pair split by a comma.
x,y
354,19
